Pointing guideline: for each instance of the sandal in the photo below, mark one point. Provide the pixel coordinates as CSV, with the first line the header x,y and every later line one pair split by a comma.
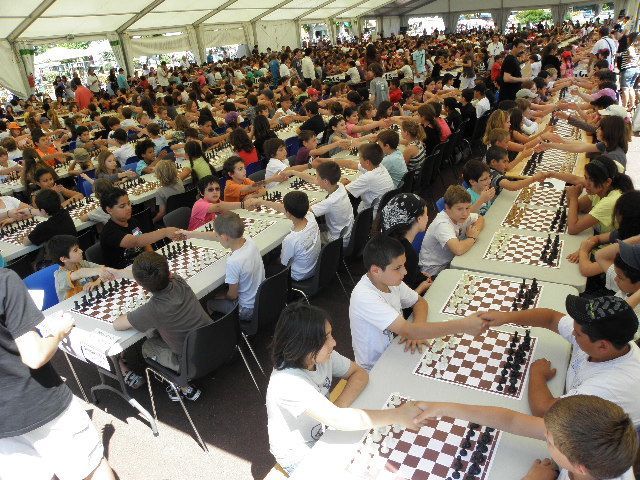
x,y
133,380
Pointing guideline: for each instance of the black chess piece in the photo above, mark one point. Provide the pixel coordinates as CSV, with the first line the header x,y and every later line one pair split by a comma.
x,y
457,464
466,443
76,305
478,457
474,469
456,475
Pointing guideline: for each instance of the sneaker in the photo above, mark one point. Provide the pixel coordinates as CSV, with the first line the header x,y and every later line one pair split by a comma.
x,y
133,380
191,393
172,394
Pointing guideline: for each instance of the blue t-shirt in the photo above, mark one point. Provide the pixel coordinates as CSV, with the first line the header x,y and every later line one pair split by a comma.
x,y
474,198
395,165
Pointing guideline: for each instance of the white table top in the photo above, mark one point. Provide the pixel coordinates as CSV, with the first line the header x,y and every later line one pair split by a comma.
x,y
567,273
393,373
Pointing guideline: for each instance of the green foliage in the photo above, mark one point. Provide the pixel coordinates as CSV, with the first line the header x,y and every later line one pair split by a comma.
x,y
533,16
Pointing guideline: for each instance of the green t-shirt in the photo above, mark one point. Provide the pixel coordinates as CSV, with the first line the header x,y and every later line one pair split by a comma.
x,y
602,210
201,167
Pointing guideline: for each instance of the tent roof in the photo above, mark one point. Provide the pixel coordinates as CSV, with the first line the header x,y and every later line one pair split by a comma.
x,y
48,19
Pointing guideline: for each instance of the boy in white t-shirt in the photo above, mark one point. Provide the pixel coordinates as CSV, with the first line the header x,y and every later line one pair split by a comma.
x,y
245,269
587,437
375,180
604,360
125,150
621,264
336,207
377,304
453,232
301,247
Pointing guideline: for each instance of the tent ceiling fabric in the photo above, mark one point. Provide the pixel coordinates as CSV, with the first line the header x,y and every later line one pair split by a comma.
x,y
38,20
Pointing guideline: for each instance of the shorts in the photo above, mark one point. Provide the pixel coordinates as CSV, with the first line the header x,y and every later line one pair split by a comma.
x,y
68,446
157,350
628,77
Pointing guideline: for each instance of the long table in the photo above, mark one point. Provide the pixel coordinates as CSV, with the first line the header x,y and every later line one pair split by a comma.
x,y
332,454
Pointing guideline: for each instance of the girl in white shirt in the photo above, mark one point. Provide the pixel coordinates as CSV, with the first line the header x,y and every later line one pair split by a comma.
x,y
304,365
276,150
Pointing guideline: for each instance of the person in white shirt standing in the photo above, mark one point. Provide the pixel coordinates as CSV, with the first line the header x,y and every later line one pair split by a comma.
x,y
606,42
92,81
604,361
495,47
308,69
378,300
163,75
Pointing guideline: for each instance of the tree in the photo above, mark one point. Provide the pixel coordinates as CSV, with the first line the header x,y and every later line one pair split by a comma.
x,y
533,16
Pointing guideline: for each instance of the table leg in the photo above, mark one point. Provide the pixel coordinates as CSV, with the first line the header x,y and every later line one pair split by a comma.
x,y
122,392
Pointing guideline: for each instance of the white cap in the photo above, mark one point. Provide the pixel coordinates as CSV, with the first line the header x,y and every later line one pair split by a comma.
x,y
615,110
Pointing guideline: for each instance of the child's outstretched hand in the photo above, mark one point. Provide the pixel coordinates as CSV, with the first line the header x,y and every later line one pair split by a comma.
x,y
487,195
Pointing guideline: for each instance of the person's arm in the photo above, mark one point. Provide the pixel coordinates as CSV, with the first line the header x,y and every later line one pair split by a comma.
x,y
485,196
578,223
508,78
540,397
304,176
70,195
254,202
121,323
202,235
513,185
536,317
368,127
343,144
137,241
496,417
571,147
460,247
35,351
472,325
232,291
606,255
524,154
357,379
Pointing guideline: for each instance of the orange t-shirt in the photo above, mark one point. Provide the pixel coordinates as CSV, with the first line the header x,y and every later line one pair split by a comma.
x,y
232,190
50,151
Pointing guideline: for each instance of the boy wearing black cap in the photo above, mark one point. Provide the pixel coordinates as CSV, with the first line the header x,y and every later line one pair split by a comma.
x,y
605,362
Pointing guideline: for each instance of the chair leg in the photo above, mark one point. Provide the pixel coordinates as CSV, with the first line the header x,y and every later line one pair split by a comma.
x,y
306,299
344,262
153,403
186,412
73,371
246,339
246,364
342,285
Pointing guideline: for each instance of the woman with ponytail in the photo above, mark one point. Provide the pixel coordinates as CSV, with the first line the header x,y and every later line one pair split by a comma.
x,y
604,184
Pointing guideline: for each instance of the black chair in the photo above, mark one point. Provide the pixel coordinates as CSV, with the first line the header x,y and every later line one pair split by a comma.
x,y
144,219
408,181
446,148
360,234
205,349
94,254
478,132
87,238
326,269
178,218
258,176
426,176
185,199
271,299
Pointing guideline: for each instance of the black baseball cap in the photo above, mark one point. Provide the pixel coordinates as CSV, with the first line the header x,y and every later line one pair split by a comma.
x,y
611,318
630,254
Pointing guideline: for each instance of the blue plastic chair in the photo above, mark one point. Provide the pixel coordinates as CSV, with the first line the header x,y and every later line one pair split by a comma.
x,y
133,159
417,242
293,145
44,280
440,204
86,188
254,167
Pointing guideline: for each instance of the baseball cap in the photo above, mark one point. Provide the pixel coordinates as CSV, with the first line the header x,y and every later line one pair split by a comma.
x,y
610,318
417,90
525,93
312,91
14,126
81,155
605,92
630,254
614,110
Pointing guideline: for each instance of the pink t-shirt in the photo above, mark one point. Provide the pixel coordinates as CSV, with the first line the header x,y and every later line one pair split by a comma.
x,y
350,131
200,214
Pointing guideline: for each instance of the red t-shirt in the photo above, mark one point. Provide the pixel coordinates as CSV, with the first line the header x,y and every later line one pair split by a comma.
x,y
83,97
445,130
248,157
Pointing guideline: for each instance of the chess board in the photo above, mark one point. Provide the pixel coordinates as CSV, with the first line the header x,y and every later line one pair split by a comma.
x,y
523,249
187,260
268,211
217,157
481,363
565,130
538,220
542,196
304,186
143,188
116,298
433,452
82,207
252,226
550,161
476,293
15,232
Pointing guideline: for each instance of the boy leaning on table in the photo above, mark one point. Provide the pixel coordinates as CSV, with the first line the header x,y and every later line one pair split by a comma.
x,y
587,437
604,359
377,303
173,310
